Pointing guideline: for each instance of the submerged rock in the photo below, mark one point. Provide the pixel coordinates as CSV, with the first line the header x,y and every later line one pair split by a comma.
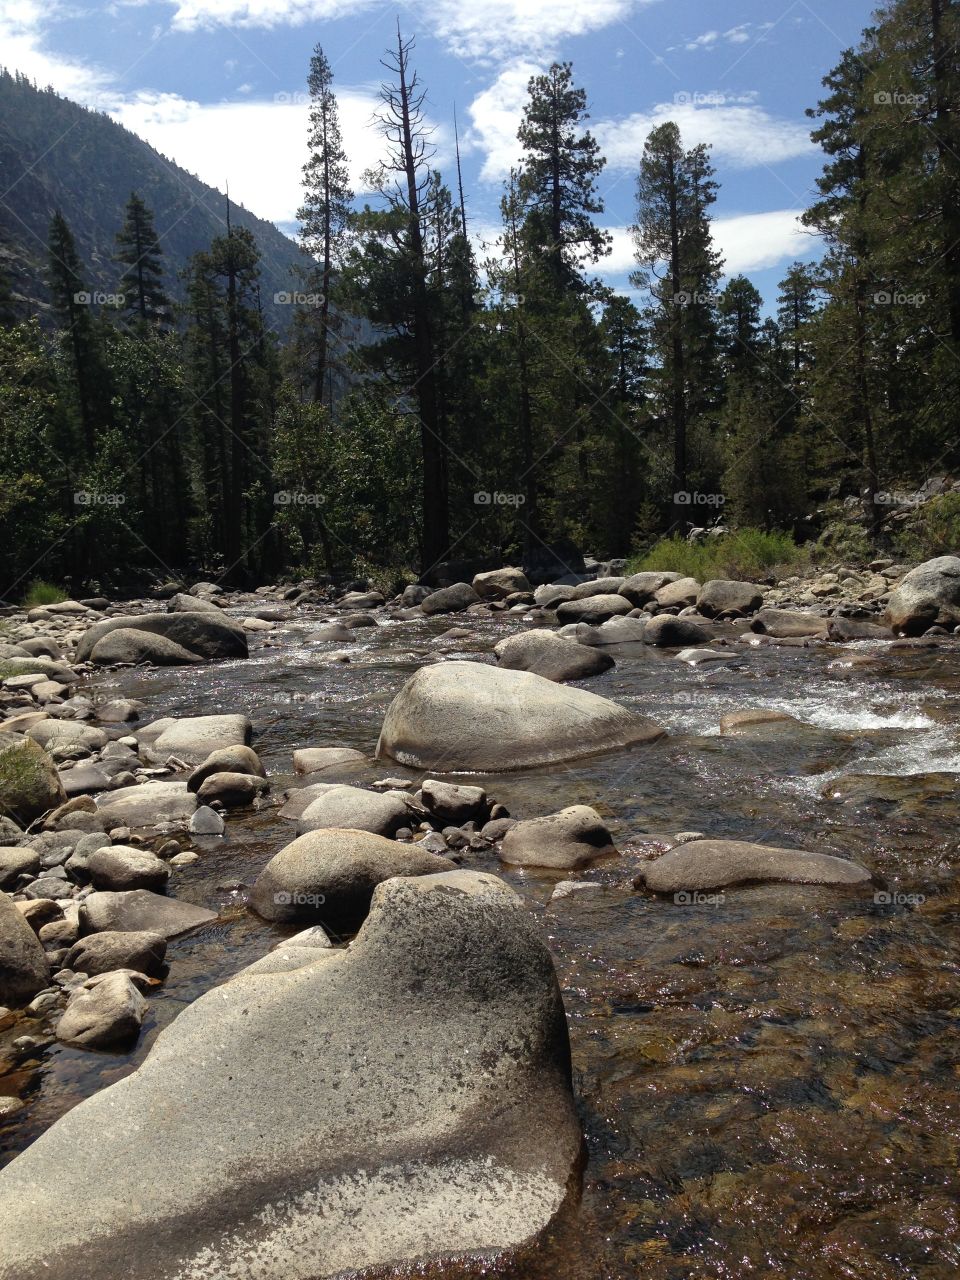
x,y
566,840
717,864
405,1100
467,716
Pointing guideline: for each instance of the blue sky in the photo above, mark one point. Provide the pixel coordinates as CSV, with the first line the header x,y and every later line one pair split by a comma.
x,y
219,87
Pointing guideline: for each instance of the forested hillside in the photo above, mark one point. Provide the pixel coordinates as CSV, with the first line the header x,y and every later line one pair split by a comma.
x,y
504,407
55,154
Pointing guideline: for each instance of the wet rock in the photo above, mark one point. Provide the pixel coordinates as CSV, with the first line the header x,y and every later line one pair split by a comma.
x,y
84,779
414,594
106,1013
456,956
669,632
454,804
317,759
334,631
207,822
621,630
473,717
233,759
718,864
342,806
450,599
329,876
846,629
928,595
783,623
497,584
146,805
122,867
182,603
205,634
551,595
127,646
54,734
232,790
724,596
593,609
193,738
639,588
569,839
29,785
758,722
497,828
681,591
551,656
113,949
23,966
140,911
362,600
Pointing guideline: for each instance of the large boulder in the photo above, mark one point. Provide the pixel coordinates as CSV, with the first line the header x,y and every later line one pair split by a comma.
x,y
398,1104
593,609
124,867
23,966
679,591
596,587
232,790
927,596
67,734
725,596
183,603
16,862
641,587
670,632
194,738
146,805
234,759
450,599
29,783
569,839
785,624
140,911
497,584
329,876
467,716
382,812
717,864
127,647
613,631
550,655
207,634
452,803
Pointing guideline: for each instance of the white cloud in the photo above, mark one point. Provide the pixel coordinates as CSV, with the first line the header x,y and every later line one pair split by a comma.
x,y
21,48
191,14
495,117
747,242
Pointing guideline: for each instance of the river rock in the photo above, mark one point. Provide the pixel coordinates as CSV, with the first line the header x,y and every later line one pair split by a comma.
x,y
717,864
123,867
55,735
593,609
550,655
669,632
183,603
467,716
613,631
146,805
115,949
497,584
927,596
232,790
381,812
15,863
328,876
596,587
452,803
207,822
450,599
234,759
403,1156
571,838
552,594
783,624
23,966
126,646
140,911
209,635
681,591
756,722
414,593
724,596
194,738
105,1013
317,759
29,784
641,587
844,630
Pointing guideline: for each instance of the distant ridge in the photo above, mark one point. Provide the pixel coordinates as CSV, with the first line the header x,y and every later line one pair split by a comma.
x,y
55,153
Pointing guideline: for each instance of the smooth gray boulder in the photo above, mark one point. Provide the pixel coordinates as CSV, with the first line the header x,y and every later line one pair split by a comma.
x,y
719,864
595,608
641,587
232,790
497,584
927,596
183,603
470,717
670,632
785,624
29,783
596,587
234,759
318,759
550,655
15,863
329,876
679,591
124,867
23,966
54,734
452,803
382,812
105,1013
726,596
193,738
139,949
613,631
146,804
450,599
574,837
140,911
126,646
209,635
405,1103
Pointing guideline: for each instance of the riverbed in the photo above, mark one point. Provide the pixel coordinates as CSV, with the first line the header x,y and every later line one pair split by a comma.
x,y
768,1078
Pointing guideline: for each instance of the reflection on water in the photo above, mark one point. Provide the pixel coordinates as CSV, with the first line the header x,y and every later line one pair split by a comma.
x,y
768,1085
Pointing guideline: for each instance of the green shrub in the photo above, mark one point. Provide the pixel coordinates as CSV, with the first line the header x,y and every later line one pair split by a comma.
x,y
40,592
935,531
745,554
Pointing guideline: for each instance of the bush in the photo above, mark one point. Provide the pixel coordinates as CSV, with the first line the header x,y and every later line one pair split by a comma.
x,y
746,554
40,592
935,531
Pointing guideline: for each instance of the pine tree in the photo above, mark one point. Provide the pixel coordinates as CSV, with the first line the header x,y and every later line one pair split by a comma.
x,y
739,319
140,252
324,216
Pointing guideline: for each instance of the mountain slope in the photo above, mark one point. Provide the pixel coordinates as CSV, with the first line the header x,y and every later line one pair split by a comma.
x,y
57,154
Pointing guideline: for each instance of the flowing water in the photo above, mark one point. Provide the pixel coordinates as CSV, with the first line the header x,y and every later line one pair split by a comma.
x,y
768,1079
